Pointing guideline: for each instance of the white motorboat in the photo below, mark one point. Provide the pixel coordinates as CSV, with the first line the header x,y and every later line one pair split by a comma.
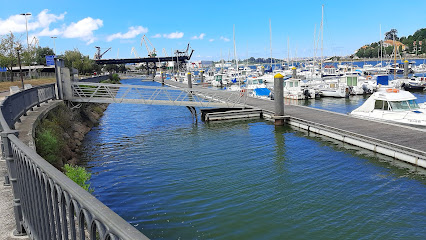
x,y
334,88
393,105
297,89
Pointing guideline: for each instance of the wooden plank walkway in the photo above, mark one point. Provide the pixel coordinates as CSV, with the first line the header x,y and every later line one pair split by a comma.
x,y
409,137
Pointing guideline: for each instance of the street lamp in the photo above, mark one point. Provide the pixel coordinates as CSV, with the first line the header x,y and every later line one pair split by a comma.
x,y
54,43
28,45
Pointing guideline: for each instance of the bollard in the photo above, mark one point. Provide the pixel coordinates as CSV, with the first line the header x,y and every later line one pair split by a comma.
x,y
13,175
294,72
279,99
189,80
405,69
263,71
153,74
162,78
202,76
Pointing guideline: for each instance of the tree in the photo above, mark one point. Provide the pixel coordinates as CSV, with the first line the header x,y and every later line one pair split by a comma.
x,y
41,53
74,59
8,57
391,34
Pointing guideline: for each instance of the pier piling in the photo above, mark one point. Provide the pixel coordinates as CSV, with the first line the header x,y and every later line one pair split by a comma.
x,y
279,99
162,78
189,80
294,72
202,76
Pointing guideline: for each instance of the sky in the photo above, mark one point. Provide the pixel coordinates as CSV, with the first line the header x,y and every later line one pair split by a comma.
x,y
208,26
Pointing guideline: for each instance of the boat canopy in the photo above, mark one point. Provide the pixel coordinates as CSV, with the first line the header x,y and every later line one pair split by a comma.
x,y
262,92
398,100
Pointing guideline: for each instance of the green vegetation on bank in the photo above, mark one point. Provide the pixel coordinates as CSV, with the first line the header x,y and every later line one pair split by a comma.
x,y
414,44
49,135
79,175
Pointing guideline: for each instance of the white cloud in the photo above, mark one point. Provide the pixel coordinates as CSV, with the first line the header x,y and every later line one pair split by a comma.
x,y
211,40
156,36
199,37
133,32
46,32
16,23
173,35
83,29
224,39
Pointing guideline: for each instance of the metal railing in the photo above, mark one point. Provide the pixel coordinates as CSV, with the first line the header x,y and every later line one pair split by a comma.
x,y
47,204
120,93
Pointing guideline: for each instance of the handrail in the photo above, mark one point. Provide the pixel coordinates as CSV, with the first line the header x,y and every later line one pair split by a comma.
x,y
47,204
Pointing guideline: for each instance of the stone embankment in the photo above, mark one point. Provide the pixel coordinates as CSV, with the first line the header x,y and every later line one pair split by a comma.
x,y
60,132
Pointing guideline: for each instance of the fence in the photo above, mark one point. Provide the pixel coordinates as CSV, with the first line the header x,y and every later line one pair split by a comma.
x,y
47,204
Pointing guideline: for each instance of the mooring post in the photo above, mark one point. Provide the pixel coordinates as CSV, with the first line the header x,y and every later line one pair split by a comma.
x,y
162,78
13,175
279,99
263,71
189,80
202,76
294,72
405,69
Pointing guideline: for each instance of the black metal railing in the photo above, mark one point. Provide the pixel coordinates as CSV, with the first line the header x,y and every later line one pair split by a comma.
x,y
47,204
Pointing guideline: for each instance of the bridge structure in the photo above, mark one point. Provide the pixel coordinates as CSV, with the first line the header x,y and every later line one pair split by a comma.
x,y
180,60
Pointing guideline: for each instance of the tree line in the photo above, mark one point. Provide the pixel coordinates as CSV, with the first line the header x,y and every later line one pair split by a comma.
x,y
32,55
412,43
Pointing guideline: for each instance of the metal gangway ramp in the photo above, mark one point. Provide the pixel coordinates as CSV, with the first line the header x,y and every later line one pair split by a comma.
x,y
162,95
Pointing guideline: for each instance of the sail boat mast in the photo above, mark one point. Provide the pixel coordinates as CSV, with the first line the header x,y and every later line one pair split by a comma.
x,y
322,35
270,40
235,55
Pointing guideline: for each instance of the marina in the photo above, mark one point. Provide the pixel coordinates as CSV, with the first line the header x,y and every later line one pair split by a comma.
x,y
246,179
213,121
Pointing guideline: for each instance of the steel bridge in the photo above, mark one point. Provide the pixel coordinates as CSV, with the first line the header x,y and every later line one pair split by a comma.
x,y
164,95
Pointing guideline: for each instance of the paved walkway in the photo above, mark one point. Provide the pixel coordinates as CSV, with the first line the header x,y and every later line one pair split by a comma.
x,y
7,216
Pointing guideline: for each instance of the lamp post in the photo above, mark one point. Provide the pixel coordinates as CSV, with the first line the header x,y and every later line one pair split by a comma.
x,y
28,44
54,45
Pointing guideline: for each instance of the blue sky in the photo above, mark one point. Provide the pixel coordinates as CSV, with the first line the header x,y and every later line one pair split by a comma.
x,y
208,25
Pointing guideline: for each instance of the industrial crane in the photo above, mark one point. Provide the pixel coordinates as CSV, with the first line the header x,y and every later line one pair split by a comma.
x,y
98,55
165,52
151,53
134,52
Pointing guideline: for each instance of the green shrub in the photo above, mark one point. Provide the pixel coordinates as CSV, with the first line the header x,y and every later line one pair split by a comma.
x,y
114,78
79,175
48,145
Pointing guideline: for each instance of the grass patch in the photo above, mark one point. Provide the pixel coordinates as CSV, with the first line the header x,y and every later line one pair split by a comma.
x,y
4,86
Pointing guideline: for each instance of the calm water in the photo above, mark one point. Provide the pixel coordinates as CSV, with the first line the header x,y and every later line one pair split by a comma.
x,y
175,179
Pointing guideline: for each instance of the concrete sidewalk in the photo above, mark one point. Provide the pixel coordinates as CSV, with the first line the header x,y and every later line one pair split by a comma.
x,y
7,216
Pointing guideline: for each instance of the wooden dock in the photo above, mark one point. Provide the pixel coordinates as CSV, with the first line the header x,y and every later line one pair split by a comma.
x,y
398,141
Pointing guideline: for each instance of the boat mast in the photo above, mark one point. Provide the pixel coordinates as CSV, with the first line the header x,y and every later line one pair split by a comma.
x,y
288,51
235,55
394,56
270,40
322,35
381,47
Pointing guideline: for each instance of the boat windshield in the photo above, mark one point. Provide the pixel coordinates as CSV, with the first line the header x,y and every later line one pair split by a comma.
x,y
404,105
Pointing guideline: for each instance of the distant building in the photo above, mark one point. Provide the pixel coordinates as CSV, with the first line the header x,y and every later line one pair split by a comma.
x,y
388,43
